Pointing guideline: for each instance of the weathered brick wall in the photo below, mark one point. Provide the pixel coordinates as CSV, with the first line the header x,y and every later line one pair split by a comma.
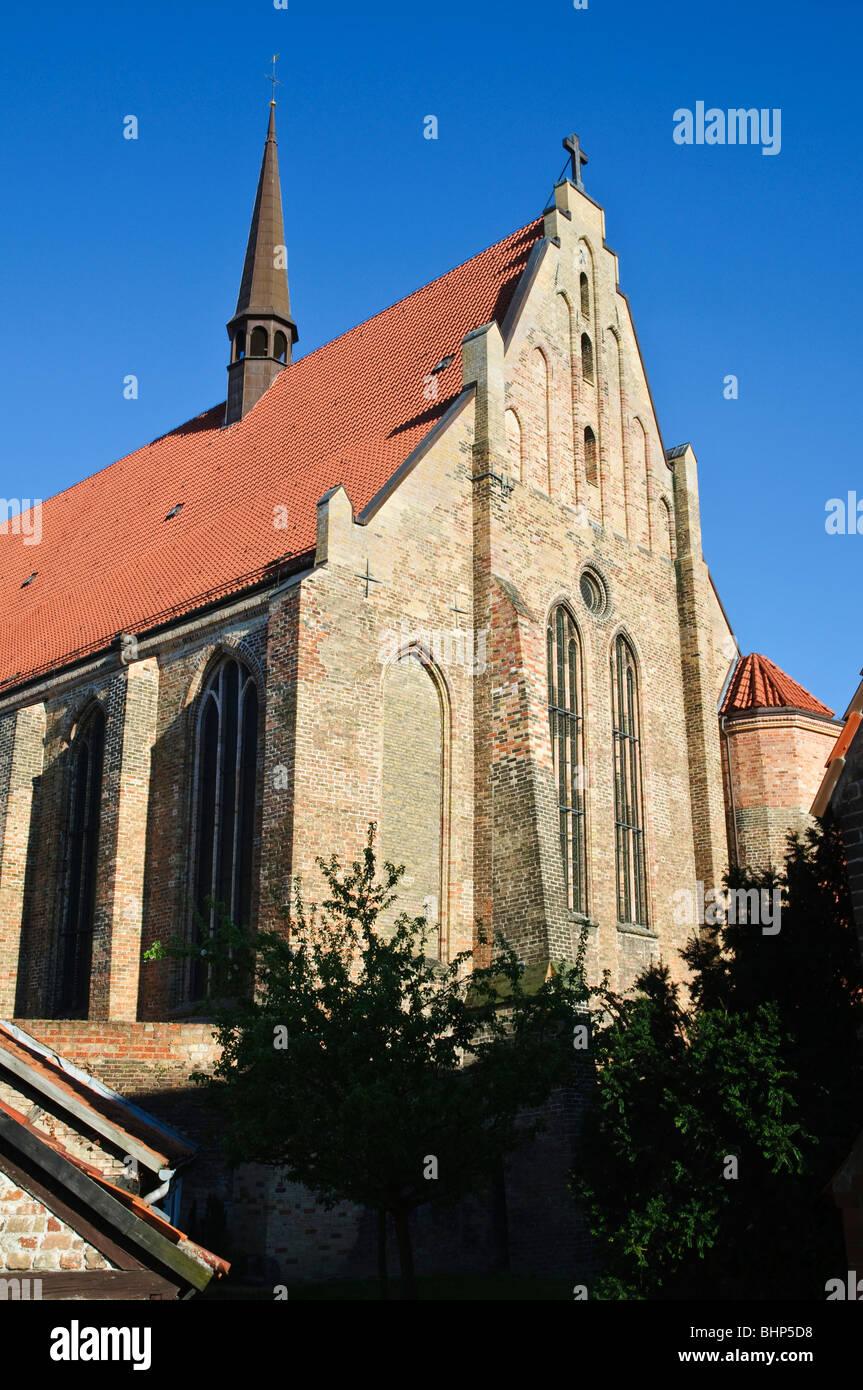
x,y
147,819
447,540
412,790
185,665
33,1241
131,1058
777,763
21,753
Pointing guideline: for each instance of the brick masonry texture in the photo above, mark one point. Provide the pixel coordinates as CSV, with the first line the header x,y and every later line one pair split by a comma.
x,y
776,759
550,461
32,1240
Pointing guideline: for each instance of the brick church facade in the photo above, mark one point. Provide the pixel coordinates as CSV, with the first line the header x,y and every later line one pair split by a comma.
x,y
442,574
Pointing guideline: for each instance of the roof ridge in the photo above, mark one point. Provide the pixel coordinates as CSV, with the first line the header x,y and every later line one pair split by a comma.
x,y
429,284
298,362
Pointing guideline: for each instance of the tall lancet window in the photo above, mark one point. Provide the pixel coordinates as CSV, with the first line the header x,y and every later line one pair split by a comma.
x,y
225,803
584,291
82,845
587,370
628,817
566,726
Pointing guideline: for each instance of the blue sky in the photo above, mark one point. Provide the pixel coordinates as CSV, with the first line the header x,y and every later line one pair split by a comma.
x,y
125,256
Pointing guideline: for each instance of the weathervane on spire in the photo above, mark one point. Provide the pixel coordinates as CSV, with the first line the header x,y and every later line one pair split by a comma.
x,y
275,81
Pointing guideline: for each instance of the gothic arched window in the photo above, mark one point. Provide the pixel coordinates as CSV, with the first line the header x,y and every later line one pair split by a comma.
x,y
87,757
413,789
586,357
239,346
513,442
280,347
584,289
225,778
260,342
591,472
566,726
628,822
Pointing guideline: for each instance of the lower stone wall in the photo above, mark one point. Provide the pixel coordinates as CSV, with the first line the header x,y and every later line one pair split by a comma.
x,y
274,1231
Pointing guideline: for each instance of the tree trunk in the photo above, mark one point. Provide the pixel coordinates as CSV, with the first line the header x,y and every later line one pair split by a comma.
x,y
383,1277
406,1257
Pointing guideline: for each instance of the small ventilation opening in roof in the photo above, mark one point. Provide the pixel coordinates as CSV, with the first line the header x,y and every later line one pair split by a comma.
x,y
442,365
30,579
175,511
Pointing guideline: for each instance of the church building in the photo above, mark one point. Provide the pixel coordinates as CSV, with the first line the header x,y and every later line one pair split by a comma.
x,y
443,574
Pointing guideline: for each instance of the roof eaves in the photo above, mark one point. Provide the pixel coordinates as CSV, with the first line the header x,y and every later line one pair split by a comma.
x,y
98,1087
44,1079
99,1196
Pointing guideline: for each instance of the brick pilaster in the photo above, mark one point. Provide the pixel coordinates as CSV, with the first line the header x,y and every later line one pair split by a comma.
x,y
130,734
698,665
22,746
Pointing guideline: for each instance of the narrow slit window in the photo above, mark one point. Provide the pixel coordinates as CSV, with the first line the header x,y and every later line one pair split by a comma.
x,y
584,289
587,370
591,471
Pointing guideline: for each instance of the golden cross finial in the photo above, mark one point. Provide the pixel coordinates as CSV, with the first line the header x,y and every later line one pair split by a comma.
x,y
275,81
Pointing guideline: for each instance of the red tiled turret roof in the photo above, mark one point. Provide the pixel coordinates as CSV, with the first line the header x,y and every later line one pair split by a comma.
x,y
758,683
351,412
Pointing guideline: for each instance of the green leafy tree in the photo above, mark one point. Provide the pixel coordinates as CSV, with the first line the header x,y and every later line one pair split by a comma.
x,y
371,1072
763,1067
688,1107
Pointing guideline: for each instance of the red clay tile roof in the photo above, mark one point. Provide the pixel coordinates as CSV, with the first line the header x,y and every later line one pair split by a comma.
x,y
349,413
759,684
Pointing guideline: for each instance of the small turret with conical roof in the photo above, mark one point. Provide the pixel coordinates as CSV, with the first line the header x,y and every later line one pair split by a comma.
x,y
262,331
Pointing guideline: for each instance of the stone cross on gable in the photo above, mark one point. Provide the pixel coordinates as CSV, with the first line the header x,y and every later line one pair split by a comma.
x,y
577,157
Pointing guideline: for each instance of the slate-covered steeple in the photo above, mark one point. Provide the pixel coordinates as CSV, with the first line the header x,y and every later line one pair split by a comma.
x,y
262,332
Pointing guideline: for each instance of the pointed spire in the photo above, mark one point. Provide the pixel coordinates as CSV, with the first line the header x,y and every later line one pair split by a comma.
x,y
264,286
262,331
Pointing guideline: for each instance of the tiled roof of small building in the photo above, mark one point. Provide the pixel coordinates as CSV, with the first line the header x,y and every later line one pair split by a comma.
x,y
758,683
110,561
139,1208
41,1068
